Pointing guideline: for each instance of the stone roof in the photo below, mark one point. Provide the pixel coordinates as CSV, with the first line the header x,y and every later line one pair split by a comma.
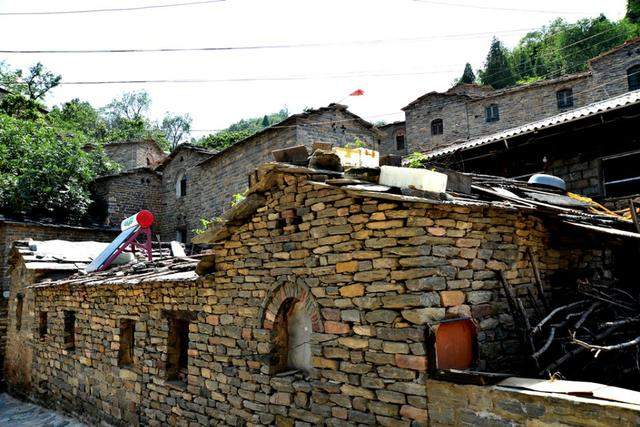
x,y
627,43
164,270
291,122
185,146
143,169
56,255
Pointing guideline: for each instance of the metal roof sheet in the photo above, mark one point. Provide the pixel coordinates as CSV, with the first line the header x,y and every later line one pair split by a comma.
x,y
630,98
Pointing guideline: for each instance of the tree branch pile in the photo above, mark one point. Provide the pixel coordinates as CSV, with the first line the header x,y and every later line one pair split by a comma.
x,y
593,335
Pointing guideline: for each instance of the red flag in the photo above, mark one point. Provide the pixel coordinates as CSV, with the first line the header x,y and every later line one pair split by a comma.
x,y
357,92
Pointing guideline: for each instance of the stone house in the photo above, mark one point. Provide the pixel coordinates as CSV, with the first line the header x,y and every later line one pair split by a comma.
x,y
595,149
394,140
467,112
132,155
211,179
317,306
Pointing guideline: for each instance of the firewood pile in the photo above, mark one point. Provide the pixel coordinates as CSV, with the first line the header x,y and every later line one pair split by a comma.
x,y
594,335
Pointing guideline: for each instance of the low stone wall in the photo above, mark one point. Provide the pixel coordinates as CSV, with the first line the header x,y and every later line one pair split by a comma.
x,y
469,405
373,277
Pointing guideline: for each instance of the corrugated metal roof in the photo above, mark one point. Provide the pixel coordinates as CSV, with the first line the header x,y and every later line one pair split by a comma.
x,y
611,104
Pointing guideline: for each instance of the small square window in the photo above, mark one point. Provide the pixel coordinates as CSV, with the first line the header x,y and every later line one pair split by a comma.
x,y
43,324
127,342
565,98
492,113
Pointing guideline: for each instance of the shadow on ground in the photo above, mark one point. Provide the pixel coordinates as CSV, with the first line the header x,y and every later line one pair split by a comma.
x,y
16,413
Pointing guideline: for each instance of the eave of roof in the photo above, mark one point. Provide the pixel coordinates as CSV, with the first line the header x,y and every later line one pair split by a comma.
x,y
185,146
627,43
535,85
143,169
622,101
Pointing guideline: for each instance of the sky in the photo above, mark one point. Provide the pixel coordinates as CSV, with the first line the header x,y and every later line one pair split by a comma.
x,y
395,50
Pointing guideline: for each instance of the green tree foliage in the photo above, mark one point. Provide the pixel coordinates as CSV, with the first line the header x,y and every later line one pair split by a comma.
x,y
240,130
468,75
45,172
497,71
633,11
223,139
556,49
176,128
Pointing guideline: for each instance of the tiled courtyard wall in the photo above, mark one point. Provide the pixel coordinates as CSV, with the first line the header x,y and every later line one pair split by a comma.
x,y
374,276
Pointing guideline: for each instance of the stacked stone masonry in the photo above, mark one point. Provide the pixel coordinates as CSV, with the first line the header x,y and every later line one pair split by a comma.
x,y
462,108
375,277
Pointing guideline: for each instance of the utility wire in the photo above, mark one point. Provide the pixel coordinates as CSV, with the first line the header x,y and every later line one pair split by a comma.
x,y
508,9
274,46
120,9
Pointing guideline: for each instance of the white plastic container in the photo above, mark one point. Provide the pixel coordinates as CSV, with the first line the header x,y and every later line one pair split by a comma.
x,y
358,157
419,179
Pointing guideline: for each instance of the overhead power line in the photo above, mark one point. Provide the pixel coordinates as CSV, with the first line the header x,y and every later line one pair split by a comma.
x,y
254,79
120,9
274,46
508,9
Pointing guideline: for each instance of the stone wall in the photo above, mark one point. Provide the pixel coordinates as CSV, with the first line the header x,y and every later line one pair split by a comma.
x,y
11,231
117,197
374,278
469,405
213,183
183,212
4,319
463,112
134,154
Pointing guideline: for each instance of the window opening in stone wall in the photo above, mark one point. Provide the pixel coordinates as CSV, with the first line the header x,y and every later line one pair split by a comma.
x,y
291,336
70,330
43,324
564,98
181,185
127,343
19,304
181,235
621,175
454,345
633,77
437,127
177,349
492,113
400,140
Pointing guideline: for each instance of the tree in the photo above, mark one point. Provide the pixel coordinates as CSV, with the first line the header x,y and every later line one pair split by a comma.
x,y
45,172
39,81
79,116
223,139
467,76
265,121
176,128
497,72
130,105
633,11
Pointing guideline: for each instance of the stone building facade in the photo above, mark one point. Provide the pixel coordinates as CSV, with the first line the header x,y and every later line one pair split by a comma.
x,y
394,141
135,154
212,179
466,112
372,277
123,194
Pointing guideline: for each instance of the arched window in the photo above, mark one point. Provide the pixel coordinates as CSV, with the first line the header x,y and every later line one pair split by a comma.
x,y
291,334
181,185
564,98
400,139
437,127
633,77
